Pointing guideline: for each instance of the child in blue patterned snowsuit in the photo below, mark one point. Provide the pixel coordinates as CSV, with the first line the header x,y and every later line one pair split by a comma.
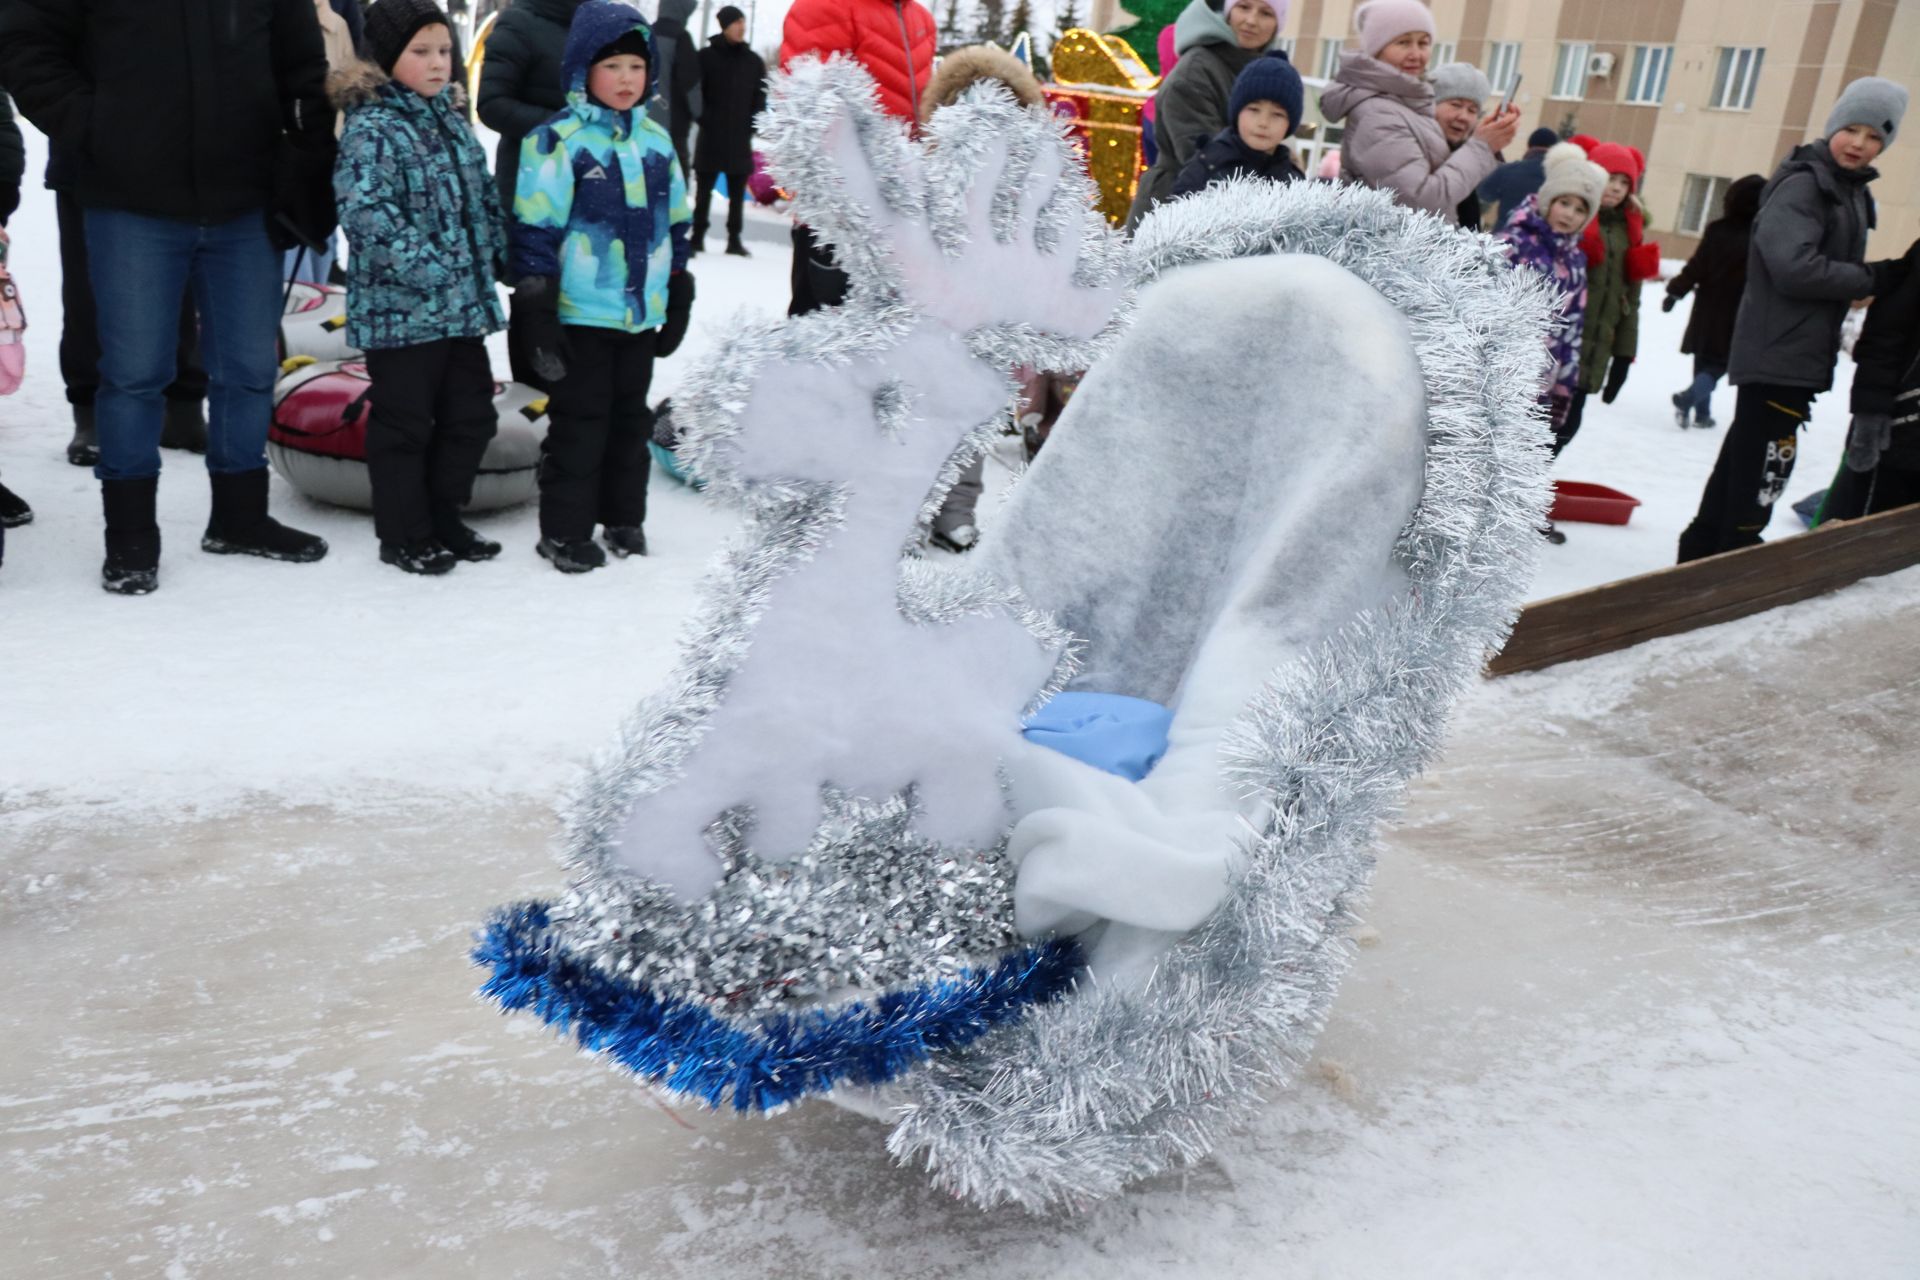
x,y
599,256
423,218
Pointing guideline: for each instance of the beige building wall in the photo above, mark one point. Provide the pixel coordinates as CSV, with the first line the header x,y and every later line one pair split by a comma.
x,y
1813,49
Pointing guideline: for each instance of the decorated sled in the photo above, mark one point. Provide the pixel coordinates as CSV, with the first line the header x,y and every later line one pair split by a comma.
x,y
824,861
318,439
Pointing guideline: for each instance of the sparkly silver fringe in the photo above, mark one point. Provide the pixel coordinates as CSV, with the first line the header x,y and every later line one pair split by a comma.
x,y
1088,1094
869,904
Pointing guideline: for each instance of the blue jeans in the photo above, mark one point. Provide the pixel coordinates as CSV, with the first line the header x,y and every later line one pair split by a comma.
x,y
1705,378
141,267
304,264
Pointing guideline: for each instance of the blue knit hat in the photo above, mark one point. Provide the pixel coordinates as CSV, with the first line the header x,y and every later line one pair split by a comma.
x,y
1269,78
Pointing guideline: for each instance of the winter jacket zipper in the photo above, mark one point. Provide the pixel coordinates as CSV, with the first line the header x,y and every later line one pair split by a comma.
x,y
906,43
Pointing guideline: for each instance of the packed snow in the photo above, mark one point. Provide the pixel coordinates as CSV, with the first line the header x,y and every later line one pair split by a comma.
x,y
1633,995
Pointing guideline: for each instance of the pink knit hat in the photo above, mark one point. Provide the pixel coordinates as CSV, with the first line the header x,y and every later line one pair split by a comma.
x,y
1381,22
1277,7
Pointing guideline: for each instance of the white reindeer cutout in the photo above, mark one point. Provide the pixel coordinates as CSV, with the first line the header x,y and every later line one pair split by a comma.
x,y
821,662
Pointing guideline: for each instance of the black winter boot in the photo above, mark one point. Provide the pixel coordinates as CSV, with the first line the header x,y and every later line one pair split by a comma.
x,y
453,534
736,248
14,510
84,449
424,557
572,557
240,526
697,245
132,567
625,540
185,427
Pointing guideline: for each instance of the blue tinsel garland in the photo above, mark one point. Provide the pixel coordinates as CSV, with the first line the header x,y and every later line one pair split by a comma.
x,y
787,1056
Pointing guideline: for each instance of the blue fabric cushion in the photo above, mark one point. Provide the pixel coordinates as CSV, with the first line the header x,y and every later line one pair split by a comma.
x,y
1109,731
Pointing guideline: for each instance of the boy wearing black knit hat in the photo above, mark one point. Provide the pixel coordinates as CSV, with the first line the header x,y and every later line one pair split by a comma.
x,y
1262,112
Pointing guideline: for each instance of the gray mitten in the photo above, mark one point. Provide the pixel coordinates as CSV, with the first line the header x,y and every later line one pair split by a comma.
x,y
1871,434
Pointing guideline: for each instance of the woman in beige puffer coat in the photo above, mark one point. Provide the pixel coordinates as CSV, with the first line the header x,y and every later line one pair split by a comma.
x,y
1392,141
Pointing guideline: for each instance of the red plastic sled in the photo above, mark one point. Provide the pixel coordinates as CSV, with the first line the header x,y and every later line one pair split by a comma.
x,y
1591,503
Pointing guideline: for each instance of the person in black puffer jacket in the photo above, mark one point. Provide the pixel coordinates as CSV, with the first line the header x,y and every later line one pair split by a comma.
x,y
520,90
733,90
198,128
1718,271
678,103
1884,443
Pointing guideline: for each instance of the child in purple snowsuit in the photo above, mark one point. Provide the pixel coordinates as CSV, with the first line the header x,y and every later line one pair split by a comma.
x,y
1543,234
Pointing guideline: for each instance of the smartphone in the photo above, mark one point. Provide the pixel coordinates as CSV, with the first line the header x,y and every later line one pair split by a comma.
x,y
1513,90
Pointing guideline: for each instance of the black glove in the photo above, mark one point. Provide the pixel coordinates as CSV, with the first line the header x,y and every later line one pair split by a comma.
x,y
1669,302
1616,379
1869,438
538,298
303,213
679,313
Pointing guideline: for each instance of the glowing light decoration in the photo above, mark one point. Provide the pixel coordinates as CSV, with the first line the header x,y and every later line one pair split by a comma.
x,y
1100,86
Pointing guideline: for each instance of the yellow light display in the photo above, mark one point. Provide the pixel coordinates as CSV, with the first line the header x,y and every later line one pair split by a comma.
x,y
1100,86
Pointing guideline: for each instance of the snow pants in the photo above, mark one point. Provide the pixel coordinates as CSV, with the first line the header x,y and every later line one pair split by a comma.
x,y
1756,460
431,421
594,463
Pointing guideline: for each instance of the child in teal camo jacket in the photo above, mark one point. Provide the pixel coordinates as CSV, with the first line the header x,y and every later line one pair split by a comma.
x,y
423,218
599,256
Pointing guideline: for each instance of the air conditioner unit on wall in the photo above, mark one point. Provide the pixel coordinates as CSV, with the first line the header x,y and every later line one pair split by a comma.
x,y
1600,64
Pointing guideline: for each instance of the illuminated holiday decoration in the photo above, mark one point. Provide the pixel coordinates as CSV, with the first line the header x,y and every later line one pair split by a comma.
x,y
1100,85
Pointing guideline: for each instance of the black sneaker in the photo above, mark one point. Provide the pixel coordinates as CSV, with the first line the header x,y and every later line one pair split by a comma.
x,y
572,557
465,544
1707,423
625,540
1553,535
14,511
957,540
736,249
425,557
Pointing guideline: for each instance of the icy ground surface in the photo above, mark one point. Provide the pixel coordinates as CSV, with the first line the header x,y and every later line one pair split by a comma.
x,y
1634,994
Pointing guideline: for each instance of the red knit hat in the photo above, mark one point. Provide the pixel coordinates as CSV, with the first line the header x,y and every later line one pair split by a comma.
x,y
1623,160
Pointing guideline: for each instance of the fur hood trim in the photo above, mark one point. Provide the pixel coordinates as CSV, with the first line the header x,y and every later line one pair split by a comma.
x,y
359,83
964,68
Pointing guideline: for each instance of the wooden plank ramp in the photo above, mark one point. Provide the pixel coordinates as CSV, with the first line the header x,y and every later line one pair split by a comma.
x,y
1667,602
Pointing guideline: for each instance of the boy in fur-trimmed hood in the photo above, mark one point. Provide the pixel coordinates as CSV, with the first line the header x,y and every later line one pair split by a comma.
x,y
428,237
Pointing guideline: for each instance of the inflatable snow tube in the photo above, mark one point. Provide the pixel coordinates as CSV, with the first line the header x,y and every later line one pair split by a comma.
x,y
318,440
314,324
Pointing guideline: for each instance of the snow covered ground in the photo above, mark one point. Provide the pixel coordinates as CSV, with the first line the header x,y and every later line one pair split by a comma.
x,y
1634,996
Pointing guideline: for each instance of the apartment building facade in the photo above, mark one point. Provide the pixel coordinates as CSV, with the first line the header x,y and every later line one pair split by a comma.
x,y
1710,90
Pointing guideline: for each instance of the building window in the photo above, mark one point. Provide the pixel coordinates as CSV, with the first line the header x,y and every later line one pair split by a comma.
x,y
1286,46
1503,60
1737,78
1647,85
1703,199
1570,70
1443,54
1329,59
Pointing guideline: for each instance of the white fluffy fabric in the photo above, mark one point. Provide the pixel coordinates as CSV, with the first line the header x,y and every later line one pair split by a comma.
x,y
1197,531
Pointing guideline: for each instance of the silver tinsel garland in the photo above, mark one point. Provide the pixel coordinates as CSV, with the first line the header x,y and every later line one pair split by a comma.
x,y
870,905
1090,1093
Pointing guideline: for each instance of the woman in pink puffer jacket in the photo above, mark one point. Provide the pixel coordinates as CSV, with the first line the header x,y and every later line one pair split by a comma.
x,y
1392,141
